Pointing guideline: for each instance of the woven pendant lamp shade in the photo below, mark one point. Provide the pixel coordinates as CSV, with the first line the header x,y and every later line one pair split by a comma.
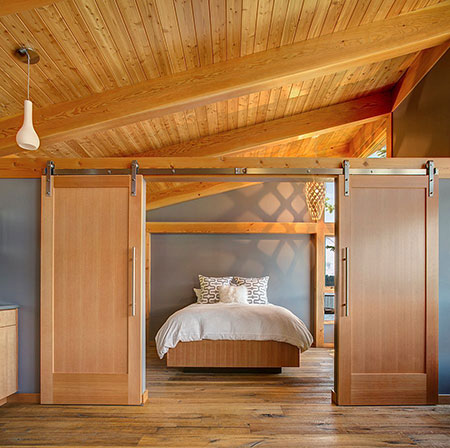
x,y
315,199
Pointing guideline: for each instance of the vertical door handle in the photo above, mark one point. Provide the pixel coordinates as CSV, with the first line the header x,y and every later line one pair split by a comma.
x,y
133,281
346,259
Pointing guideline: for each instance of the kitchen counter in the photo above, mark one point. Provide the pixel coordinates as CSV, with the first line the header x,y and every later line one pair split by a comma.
x,y
10,306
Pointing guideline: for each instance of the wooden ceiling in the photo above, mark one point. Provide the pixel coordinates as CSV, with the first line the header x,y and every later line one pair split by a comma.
x,y
94,48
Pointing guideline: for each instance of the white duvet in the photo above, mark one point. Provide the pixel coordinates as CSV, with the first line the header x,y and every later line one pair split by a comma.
x,y
234,322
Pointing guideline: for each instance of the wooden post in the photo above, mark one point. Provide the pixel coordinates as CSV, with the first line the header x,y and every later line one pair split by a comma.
x,y
148,270
319,288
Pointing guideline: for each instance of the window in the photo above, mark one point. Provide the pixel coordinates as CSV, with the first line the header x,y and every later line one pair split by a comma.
x,y
329,202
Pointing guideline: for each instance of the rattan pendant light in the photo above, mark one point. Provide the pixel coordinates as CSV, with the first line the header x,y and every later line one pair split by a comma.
x,y
315,199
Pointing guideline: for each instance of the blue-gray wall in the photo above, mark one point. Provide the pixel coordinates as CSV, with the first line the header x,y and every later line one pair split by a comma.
x,y
20,217
178,259
444,286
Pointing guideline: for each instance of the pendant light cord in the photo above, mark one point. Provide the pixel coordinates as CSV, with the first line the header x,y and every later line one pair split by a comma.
x,y
28,78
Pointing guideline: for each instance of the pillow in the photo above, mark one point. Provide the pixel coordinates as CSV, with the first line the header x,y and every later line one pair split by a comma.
x,y
233,294
198,294
256,287
210,287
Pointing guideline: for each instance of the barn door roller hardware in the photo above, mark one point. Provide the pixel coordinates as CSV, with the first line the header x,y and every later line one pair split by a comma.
x,y
49,171
346,166
249,174
432,171
134,172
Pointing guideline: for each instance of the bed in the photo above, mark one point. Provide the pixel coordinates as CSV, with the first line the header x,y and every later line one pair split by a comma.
x,y
233,335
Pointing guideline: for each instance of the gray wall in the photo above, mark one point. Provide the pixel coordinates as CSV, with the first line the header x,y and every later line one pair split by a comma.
x,y
444,286
19,269
421,123
178,259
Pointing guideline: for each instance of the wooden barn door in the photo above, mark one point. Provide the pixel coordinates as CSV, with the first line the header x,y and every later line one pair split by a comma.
x,y
92,238
387,312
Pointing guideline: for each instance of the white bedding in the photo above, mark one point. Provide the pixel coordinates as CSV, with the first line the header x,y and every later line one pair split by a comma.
x,y
232,321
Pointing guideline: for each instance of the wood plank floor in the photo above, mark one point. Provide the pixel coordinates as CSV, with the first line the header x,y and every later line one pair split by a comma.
x,y
187,410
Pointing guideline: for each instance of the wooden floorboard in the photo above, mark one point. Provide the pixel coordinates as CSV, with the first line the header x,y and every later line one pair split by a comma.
x,y
187,410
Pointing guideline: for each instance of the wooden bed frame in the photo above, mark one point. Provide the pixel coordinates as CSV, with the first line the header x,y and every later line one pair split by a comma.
x,y
240,354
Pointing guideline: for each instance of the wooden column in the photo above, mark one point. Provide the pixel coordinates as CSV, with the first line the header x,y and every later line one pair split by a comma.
x,y
148,274
319,285
389,136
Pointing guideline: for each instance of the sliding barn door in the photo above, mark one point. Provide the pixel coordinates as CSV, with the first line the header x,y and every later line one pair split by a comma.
x,y
387,312
91,295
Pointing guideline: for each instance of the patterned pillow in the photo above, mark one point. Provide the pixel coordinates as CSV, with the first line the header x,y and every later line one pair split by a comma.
x,y
210,287
256,287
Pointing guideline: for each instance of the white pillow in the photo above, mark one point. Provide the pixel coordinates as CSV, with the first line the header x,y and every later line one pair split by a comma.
x,y
233,294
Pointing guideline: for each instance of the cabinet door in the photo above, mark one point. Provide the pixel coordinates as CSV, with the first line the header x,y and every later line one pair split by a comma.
x,y
387,314
91,267
8,354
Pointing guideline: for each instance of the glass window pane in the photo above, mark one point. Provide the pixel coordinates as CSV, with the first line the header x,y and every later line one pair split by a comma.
x,y
329,202
329,261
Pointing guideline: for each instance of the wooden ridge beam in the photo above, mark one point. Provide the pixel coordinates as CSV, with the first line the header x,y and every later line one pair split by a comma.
x,y
422,64
16,6
308,59
190,191
33,168
291,228
283,130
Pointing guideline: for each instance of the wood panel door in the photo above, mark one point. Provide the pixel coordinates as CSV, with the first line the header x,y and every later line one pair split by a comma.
x,y
387,301
91,295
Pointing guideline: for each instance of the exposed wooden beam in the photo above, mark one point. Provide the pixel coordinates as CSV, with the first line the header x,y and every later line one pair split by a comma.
x,y
369,139
308,59
292,228
16,6
27,168
283,130
389,136
190,191
423,63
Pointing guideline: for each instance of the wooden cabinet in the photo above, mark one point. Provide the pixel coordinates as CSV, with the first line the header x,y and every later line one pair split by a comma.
x,y
8,353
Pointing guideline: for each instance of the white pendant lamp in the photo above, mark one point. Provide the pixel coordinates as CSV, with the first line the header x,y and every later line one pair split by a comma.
x,y
27,137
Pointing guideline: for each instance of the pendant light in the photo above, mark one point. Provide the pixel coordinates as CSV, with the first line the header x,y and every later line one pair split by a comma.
x,y
315,199
27,137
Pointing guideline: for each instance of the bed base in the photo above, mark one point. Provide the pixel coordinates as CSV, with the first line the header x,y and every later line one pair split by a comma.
x,y
237,354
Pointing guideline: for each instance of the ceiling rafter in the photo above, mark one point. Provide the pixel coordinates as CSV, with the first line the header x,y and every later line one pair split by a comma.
x,y
273,68
16,6
283,130
423,63
369,138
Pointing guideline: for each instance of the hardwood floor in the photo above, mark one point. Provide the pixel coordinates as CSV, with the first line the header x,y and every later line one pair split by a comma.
x,y
291,409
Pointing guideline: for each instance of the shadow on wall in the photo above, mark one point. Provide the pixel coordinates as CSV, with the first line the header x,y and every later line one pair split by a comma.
x,y
271,202
178,259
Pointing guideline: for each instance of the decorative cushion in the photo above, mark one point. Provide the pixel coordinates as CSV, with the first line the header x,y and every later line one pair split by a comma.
x,y
210,287
256,287
233,294
198,294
